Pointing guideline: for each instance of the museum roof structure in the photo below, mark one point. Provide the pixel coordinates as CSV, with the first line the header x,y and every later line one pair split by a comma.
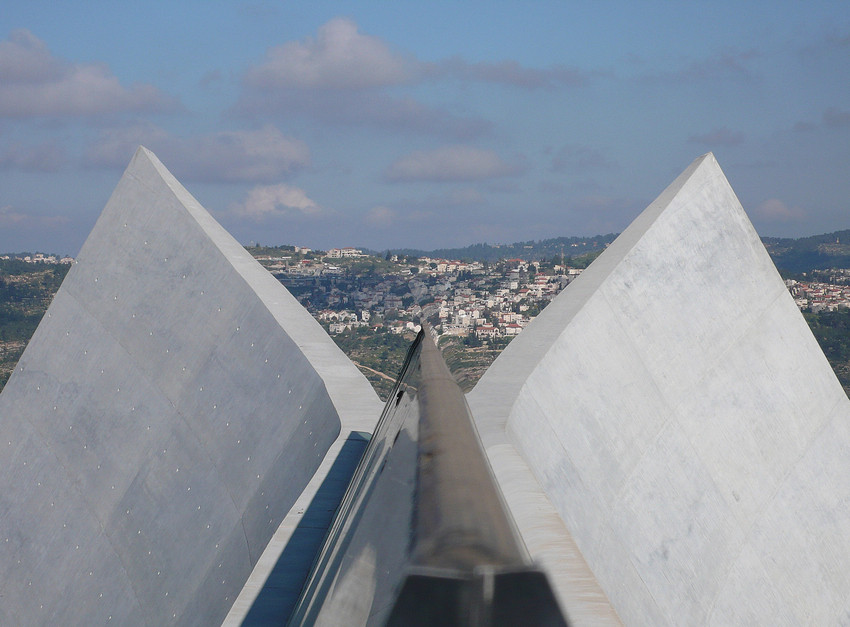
x,y
183,444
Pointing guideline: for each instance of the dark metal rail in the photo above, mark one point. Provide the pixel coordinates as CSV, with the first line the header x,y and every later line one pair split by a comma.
x,y
461,521
468,566
445,551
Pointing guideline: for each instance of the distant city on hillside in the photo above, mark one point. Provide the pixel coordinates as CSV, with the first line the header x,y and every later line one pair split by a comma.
x,y
478,298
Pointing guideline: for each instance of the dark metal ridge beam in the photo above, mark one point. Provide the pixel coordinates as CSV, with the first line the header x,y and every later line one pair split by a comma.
x,y
469,567
461,520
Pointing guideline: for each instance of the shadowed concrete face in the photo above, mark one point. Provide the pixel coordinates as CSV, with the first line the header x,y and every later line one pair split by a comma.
x,y
679,415
170,408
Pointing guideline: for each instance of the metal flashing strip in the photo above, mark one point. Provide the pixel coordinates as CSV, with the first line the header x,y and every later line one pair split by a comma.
x,y
458,559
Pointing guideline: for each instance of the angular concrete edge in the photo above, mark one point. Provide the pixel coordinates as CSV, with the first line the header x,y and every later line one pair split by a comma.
x,y
168,480
672,406
499,387
358,405
492,399
356,401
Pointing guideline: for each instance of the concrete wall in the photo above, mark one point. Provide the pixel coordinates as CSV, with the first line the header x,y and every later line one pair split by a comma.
x,y
168,411
679,415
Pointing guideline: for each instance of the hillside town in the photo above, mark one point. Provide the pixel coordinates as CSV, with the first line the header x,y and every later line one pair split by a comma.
x,y
372,304
461,298
458,298
345,288
38,258
829,290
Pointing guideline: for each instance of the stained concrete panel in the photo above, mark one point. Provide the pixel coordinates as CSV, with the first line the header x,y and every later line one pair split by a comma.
x,y
672,405
171,407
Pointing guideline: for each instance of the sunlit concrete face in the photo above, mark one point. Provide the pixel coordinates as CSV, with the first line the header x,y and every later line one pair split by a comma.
x,y
171,407
677,412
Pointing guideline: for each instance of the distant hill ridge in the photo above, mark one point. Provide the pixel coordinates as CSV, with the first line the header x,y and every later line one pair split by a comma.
x,y
804,254
791,255
530,250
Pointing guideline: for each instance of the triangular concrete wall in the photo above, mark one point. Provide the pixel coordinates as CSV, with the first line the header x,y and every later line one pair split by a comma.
x,y
170,408
677,412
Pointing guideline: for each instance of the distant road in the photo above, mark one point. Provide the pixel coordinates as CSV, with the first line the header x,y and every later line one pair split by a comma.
x,y
372,370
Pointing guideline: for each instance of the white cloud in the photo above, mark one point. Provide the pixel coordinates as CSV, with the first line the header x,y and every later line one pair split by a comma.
x,y
449,163
255,156
381,216
8,217
115,146
35,83
306,78
276,200
339,58
776,210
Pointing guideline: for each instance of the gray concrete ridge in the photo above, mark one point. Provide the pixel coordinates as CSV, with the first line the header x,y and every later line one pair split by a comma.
x,y
676,411
168,412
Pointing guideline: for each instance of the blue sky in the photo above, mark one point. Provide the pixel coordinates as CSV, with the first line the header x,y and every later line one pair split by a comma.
x,y
421,124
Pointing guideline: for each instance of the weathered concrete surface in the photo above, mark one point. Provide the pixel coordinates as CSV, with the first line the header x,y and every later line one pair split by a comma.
x,y
171,407
677,412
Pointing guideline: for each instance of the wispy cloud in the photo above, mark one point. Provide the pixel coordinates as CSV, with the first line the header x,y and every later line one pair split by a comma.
x,y
44,157
832,118
511,73
450,163
371,109
835,118
381,216
33,82
718,137
576,158
729,64
281,200
10,218
255,156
